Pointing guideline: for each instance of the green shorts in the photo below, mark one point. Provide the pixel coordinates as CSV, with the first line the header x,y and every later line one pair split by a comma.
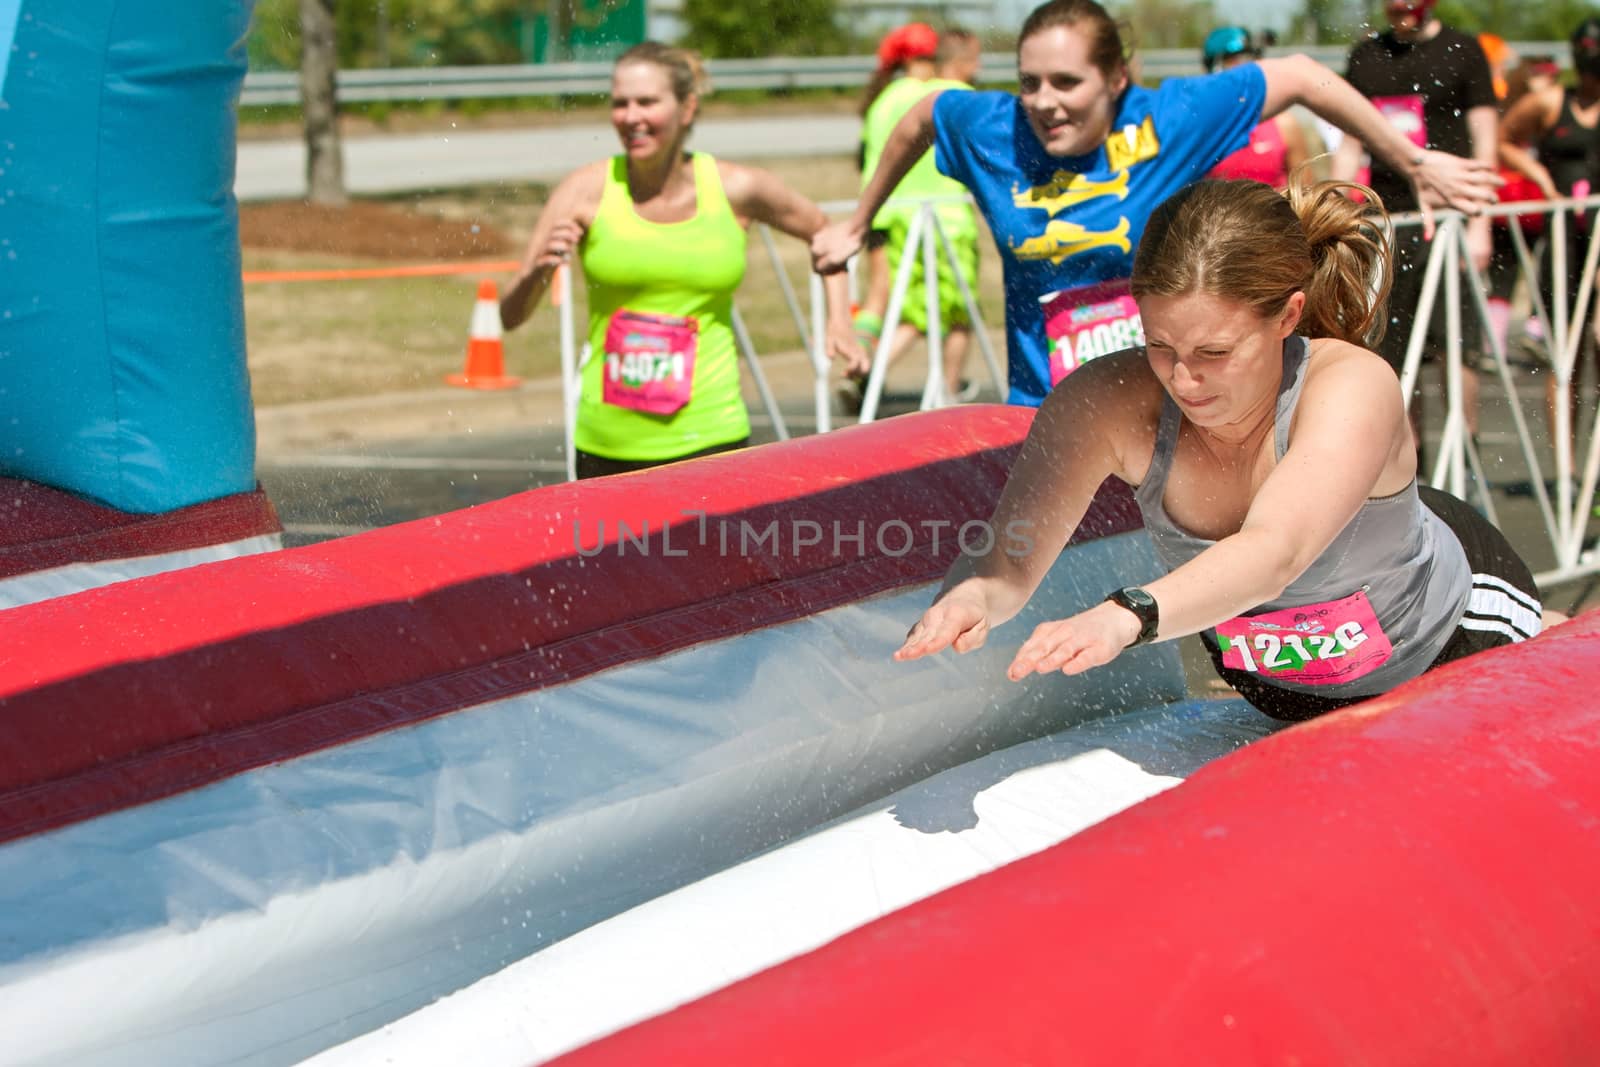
x,y
952,309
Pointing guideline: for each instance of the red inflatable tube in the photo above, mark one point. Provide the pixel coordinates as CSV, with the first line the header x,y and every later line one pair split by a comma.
x,y
1411,881
41,527
143,689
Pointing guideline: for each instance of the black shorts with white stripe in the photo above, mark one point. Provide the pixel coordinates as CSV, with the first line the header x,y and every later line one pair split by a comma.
x,y
1504,605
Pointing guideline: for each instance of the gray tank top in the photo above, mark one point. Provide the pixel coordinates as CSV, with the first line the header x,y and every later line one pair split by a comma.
x,y
1402,555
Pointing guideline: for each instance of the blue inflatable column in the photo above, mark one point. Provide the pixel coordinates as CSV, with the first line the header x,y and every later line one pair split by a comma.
x,y
122,352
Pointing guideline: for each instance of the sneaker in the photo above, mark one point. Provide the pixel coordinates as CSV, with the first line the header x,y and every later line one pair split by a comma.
x,y
1528,353
852,395
968,392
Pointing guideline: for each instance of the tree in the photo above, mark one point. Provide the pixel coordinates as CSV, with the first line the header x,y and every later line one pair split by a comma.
x,y
319,102
718,28
1327,22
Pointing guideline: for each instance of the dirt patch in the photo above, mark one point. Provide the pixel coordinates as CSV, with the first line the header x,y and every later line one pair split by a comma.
x,y
369,230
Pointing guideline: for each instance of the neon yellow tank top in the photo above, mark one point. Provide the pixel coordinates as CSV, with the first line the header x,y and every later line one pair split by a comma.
x,y
924,179
687,270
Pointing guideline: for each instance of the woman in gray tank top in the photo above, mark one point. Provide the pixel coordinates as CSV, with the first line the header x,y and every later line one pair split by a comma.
x,y
1273,462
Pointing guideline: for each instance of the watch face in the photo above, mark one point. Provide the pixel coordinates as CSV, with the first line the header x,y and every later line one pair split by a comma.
x,y
1139,596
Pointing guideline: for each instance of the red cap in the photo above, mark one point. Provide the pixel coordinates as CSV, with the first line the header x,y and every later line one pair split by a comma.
x,y
1418,9
914,40
487,290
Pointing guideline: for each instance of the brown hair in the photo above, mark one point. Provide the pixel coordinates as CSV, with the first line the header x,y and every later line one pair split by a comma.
x,y
1247,242
686,73
954,44
1105,40
881,77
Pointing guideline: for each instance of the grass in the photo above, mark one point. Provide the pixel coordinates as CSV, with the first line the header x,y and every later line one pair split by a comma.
x,y
327,340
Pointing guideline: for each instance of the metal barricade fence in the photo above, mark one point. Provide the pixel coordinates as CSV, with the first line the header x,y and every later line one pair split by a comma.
x,y
1563,334
1449,262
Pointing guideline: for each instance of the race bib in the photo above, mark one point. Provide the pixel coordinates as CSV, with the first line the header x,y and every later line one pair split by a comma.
x,y
1319,644
649,363
1088,322
1406,115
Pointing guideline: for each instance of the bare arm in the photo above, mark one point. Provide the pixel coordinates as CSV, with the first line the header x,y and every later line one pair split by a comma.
x,y
1296,150
1441,180
1084,431
763,197
556,236
1483,128
1346,160
912,136
1528,120
1350,440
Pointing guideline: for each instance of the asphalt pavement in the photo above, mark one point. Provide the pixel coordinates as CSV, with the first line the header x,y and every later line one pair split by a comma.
x,y
338,468
276,170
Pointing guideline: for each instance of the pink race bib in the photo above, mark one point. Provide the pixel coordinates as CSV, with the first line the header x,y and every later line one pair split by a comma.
x,y
1406,115
1319,644
649,361
1087,322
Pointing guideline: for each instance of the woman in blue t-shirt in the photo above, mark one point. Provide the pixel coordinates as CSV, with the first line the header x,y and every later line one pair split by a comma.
x,y
1067,169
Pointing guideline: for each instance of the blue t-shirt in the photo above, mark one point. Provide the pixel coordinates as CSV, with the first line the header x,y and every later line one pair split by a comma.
x,y
1066,221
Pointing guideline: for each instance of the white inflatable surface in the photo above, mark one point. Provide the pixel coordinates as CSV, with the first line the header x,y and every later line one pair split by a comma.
x,y
70,578
268,916
940,832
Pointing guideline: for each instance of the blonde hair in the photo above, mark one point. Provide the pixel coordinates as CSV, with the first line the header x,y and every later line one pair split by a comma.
x,y
1247,242
685,70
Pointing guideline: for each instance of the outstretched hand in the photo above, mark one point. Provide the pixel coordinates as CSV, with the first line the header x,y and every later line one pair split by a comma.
x,y
833,245
959,621
845,346
1449,181
564,238
1088,639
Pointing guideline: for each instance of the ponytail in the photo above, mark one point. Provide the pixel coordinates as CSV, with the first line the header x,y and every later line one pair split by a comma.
x,y
1247,242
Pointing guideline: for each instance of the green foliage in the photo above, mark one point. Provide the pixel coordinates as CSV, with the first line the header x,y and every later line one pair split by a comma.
x,y
1149,24
274,41
432,32
1514,20
718,28
1327,22
400,33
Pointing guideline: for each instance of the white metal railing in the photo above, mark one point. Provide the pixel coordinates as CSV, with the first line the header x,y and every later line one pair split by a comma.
x,y
405,84
925,241
1449,262
1565,518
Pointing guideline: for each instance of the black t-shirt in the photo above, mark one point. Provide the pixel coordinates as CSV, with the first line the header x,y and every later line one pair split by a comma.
x,y
1427,87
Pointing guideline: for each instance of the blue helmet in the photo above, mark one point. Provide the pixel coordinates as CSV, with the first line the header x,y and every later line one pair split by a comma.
x,y
1225,41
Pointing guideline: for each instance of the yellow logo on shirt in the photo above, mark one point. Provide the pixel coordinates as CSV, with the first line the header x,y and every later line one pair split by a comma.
x,y
1131,145
1067,189
1062,239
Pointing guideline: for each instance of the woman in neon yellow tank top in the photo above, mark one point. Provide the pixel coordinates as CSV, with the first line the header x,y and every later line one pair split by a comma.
x,y
661,235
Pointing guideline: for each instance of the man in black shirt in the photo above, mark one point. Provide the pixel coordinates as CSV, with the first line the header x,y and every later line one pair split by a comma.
x,y
1434,83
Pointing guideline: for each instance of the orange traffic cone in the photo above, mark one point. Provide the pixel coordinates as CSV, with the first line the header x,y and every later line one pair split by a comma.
x,y
486,358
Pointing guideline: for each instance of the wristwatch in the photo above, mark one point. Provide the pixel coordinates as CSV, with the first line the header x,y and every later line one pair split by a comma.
x,y
1144,608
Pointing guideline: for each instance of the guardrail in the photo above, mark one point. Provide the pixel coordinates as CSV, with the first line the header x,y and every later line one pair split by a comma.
x,y
413,84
